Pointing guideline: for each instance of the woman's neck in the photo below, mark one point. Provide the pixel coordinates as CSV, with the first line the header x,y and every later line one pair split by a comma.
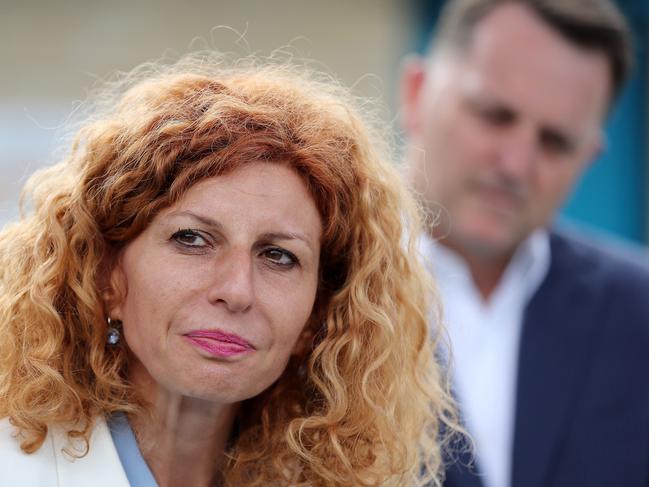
x,y
183,440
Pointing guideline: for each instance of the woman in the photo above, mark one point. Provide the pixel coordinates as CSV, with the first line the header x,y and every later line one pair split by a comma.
x,y
213,289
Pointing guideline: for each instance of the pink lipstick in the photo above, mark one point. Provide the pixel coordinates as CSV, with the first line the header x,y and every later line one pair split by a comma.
x,y
218,343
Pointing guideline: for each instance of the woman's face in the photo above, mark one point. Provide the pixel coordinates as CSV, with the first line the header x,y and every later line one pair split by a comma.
x,y
219,287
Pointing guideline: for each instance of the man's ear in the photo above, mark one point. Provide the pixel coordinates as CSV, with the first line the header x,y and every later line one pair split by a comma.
x,y
112,284
413,78
598,147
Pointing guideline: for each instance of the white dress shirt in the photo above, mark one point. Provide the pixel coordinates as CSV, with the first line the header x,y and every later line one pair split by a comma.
x,y
484,339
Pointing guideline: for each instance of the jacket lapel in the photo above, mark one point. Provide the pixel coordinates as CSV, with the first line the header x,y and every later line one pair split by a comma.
x,y
554,355
462,471
101,467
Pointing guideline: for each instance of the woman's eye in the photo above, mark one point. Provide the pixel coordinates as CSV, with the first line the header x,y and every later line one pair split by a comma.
x,y
189,238
280,257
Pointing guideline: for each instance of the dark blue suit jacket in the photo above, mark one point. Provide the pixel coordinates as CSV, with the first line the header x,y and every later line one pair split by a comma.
x,y
582,399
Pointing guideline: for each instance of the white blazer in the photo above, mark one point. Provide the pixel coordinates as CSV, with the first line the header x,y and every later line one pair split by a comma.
x,y
50,466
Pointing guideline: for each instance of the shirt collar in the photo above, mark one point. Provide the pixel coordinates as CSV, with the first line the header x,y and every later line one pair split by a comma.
x,y
526,270
136,469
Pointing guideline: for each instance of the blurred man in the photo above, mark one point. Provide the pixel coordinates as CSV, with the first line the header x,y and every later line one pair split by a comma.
x,y
550,336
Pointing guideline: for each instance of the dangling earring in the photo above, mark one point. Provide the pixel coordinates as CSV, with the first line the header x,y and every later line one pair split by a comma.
x,y
113,335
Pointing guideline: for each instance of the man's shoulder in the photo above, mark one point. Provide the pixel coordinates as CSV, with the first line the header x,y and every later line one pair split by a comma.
x,y
602,257
609,276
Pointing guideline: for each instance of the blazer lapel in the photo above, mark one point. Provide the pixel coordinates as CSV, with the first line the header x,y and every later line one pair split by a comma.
x,y
459,460
101,467
555,352
462,471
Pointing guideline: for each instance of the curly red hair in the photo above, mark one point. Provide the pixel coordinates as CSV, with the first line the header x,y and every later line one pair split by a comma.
x,y
364,406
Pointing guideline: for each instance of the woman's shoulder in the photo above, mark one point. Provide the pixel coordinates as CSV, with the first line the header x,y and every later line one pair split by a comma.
x,y
20,468
52,465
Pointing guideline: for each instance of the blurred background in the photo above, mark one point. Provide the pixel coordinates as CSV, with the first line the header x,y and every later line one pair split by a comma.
x,y
52,53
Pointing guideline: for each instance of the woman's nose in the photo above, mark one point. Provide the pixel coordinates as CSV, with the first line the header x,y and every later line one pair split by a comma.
x,y
233,281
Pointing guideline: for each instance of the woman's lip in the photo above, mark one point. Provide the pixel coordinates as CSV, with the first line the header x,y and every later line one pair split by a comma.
x,y
218,348
219,343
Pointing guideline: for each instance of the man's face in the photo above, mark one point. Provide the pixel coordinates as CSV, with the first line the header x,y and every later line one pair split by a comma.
x,y
500,132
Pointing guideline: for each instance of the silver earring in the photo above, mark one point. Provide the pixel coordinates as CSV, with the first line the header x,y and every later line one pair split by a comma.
x,y
112,335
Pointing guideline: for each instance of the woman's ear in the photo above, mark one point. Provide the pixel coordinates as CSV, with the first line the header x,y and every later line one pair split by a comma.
x,y
112,284
303,343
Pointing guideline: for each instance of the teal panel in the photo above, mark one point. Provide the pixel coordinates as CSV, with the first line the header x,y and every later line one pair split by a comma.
x,y
613,194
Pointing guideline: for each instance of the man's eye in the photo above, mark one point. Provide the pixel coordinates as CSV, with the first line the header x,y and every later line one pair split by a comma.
x,y
496,116
280,257
189,238
491,113
556,143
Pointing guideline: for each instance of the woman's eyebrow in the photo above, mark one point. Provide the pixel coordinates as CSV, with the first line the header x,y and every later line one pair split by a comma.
x,y
206,220
288,236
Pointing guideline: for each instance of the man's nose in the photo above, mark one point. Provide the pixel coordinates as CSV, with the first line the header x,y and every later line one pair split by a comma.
x,y
233,281
518,152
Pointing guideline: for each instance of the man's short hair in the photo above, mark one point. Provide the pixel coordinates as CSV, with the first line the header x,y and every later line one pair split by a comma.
x,y
590,24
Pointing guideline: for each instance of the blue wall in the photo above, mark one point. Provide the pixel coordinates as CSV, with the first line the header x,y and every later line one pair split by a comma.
x,y
613,195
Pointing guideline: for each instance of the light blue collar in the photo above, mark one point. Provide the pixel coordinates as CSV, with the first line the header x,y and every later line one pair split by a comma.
x,y
137,471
